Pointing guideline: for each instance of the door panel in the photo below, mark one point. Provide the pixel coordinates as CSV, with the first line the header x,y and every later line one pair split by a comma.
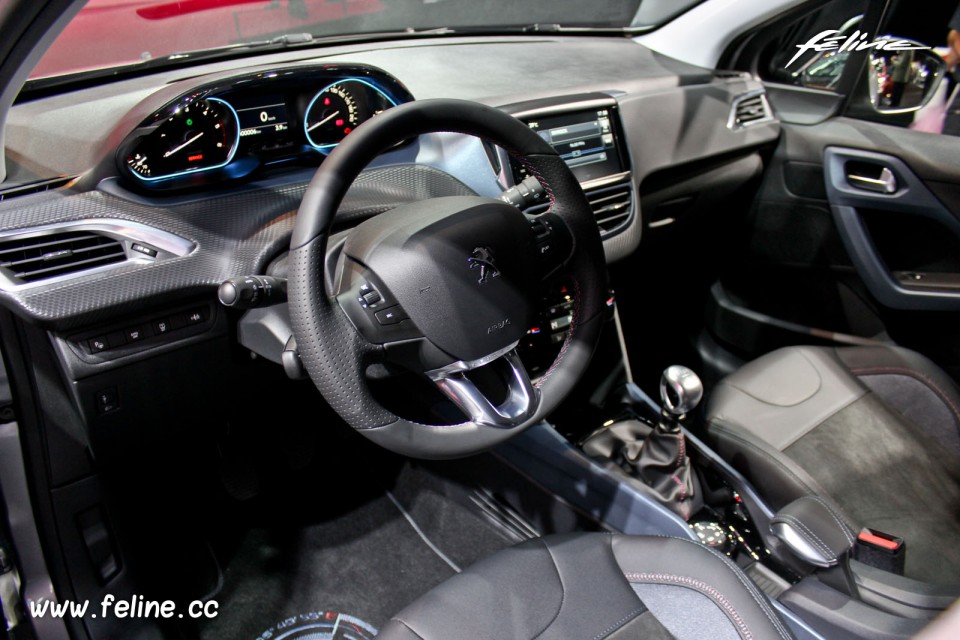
x,y
826,260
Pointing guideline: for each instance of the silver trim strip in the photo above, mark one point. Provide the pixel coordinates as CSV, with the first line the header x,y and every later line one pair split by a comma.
x,y
565,108
606,181
413,524
521,404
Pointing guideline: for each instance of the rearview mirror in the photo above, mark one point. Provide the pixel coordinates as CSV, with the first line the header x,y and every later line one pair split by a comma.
x,y
903,81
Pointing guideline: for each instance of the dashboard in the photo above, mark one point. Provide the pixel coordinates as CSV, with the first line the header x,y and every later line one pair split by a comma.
x,y
196,174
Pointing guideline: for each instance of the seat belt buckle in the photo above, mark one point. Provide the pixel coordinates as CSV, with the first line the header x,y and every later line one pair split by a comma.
x,y
880,550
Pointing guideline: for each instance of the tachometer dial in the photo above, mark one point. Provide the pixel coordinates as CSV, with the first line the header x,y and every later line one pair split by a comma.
x,y
332,114
199,136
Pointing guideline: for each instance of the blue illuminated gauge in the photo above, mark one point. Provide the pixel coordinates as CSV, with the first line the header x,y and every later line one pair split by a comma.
x,y
340,108
199,136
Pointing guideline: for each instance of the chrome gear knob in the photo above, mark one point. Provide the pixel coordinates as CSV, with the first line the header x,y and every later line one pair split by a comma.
x,y
680,390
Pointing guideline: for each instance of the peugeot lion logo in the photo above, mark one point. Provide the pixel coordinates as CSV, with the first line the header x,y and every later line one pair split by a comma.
x,y
482,258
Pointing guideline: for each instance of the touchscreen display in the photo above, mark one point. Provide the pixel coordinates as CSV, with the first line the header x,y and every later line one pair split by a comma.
x,y
586,140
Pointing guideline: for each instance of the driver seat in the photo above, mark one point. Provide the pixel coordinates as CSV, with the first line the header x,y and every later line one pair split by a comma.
x,y
594,585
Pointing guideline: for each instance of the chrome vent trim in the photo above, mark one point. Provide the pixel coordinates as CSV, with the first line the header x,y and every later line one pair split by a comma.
x,y
44,255
749,109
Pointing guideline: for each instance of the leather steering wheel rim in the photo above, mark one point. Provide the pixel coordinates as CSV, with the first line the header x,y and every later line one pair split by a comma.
x,y
332,350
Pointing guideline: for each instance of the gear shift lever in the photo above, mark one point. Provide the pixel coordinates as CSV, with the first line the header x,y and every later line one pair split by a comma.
x,y
680,391
661,460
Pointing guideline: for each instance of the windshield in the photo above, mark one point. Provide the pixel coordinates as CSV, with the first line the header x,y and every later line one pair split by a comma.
x,y
110,33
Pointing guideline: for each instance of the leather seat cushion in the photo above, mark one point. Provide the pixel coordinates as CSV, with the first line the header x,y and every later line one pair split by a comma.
x,y
596,586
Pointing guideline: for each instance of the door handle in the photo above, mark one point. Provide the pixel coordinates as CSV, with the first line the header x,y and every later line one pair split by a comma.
x,y
886,183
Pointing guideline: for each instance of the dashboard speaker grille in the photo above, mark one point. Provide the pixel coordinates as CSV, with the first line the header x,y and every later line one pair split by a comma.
x,y
26,259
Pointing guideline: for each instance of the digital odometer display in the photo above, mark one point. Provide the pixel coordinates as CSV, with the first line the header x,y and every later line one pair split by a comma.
x,y
586,140
264,122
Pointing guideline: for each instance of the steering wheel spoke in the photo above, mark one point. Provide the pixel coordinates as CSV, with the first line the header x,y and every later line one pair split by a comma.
x,y
522,398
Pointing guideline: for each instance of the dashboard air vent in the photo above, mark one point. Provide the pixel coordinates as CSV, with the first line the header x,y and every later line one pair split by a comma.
x,y
35,187
748,109
611,206
26,259
726,74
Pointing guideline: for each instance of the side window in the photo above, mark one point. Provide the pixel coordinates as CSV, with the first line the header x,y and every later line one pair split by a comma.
x,y
922,83
912,70
807,52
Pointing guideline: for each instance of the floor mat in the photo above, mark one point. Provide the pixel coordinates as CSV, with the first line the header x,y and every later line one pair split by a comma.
x,y
347,575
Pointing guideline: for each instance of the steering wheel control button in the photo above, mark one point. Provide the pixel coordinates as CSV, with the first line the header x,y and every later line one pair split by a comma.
x,y
370,298
460,267
526,194
108,400
390,315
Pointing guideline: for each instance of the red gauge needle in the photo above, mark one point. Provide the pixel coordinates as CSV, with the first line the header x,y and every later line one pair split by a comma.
x,y
324,121
185,144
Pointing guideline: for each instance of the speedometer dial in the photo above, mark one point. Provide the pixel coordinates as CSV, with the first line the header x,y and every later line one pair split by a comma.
x,y
199,136
340,108
331,116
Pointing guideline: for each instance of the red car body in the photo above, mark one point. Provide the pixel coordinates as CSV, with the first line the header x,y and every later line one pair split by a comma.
x,y
157,29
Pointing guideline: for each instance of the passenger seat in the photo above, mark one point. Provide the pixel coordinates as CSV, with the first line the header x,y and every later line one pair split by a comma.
x,y
873,431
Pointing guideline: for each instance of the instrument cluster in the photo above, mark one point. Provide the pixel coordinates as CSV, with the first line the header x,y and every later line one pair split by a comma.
x,y
230,129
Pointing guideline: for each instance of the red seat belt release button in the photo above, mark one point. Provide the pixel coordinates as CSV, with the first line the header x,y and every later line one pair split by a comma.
x,y
882,541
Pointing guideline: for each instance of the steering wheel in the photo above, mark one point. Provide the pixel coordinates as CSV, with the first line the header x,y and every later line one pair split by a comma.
x,y
442,286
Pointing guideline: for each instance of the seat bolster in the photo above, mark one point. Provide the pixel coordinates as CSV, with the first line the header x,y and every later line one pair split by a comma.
x,y
779,479
674,562
913,385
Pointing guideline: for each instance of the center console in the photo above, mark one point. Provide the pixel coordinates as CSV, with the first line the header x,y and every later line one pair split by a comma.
x,y
644,471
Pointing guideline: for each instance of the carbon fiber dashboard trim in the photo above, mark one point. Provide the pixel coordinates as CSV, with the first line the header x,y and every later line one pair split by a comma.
x,y
232,234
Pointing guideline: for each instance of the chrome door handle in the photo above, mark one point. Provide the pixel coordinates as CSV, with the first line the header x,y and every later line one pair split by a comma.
x,y
886,183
